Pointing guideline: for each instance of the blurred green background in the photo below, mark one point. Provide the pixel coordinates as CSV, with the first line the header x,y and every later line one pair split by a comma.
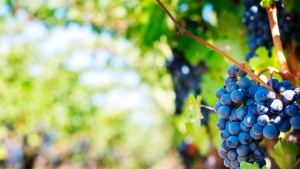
x,y
83,84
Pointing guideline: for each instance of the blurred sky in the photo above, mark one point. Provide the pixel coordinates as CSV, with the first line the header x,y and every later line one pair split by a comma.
x,y
129,93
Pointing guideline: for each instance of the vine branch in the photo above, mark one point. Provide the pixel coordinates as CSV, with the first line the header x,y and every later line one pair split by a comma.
x,y
272,16
207,107
184,32
271,70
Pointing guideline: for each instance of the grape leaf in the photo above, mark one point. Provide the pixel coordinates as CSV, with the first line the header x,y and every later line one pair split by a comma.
x,y
194,113
266,3
285,149
245,165
263,60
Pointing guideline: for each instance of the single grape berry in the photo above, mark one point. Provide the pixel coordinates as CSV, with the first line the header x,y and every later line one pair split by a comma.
x,y
236,96
232,142
270,131
295,122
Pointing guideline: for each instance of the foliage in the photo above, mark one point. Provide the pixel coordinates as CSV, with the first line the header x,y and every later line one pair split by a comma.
x,y
287,150
245,165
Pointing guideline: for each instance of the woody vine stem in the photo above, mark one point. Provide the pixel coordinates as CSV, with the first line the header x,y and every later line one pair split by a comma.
x,y
272,15
184,32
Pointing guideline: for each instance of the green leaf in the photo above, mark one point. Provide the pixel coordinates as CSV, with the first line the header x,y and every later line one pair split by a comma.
x,y
285,149
245,165
263,60
194,112
266,3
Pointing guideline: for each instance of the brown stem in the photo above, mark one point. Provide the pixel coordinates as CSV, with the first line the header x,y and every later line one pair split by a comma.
x,y
184,32
292,60
270,69
272,15
207,107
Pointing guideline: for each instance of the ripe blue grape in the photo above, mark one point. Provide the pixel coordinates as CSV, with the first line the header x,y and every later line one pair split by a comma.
x,y
295,121
236,96
269,95
232,154
226,100
225,134
270,131
234,128
231,71
239,72
262,108
257,129
288,96
276,105
222,154
235,163
233,116
260,153
229,79
221,123
220,92
227,162
249,120
240,113
231,86
291,110
244,127
263,120
250,102
285,126
253,146
243,158
217,106
224,112
244,83
245,138
259,96
255,136
252,90
242,150
232,142
252,110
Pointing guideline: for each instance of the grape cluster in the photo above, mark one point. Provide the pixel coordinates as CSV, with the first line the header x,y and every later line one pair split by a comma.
x,y
236,119
248,112
256,21
186,78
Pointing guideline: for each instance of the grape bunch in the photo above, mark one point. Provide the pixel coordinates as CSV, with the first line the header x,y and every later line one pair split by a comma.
x,y
186,79
236,119
256,21
248,112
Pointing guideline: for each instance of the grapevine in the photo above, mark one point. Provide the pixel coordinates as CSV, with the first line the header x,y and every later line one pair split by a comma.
x,y
250,110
